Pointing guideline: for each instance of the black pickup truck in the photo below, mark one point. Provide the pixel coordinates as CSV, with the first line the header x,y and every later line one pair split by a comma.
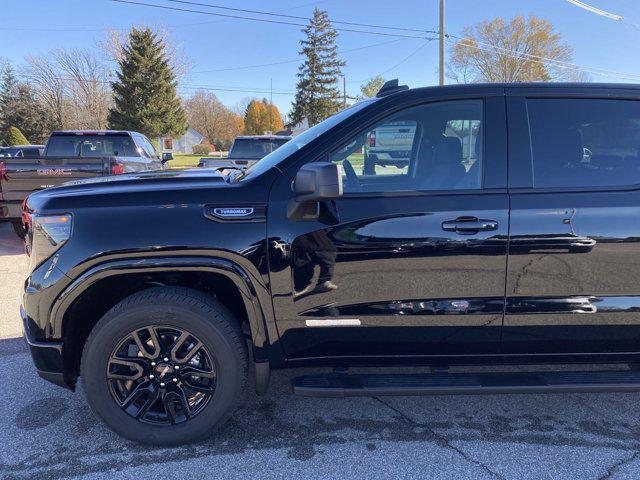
x,y
71,155
510,236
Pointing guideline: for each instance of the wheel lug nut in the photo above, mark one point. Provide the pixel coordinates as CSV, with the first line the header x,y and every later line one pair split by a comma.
x,y
152,376
153,364
162,384
176,367
175,380
166,359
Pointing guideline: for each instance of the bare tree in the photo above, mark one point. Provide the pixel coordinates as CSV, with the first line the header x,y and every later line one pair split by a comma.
x,y
241,106
42,73
516,50
216,122
73,85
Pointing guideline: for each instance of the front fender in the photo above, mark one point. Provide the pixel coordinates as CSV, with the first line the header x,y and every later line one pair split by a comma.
x,y
254,297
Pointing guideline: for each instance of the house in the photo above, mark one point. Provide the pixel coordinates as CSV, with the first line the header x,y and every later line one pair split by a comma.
x,y
183,144
295,130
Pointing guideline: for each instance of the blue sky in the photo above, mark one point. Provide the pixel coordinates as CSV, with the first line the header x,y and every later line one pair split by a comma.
x,y
217,46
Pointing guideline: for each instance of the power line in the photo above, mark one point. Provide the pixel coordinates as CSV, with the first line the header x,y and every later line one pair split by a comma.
x,y
603,13
82,30
297,17
186,86
264,20
471,43
404,59
297,60
595,10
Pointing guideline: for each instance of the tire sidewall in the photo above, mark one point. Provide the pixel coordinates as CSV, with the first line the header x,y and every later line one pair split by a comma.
x,y
102,345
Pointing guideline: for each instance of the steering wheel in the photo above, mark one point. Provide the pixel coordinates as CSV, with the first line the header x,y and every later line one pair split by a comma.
x,y
352,177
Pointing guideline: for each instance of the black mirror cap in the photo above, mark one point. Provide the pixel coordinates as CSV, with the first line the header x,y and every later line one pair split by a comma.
x,y
317,181
167,156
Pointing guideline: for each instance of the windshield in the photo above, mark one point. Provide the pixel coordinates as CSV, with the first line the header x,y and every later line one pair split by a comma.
x,y
255,148
296,143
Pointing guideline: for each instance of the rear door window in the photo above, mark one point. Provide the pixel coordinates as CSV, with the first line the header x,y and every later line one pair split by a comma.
x,y
584,142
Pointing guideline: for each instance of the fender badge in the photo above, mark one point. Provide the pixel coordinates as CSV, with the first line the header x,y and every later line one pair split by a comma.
x,y
233,212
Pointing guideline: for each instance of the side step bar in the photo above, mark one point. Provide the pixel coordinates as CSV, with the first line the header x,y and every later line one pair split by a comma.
x,y
366,385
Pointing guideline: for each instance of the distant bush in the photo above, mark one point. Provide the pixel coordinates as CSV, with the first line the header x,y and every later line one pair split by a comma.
x,y
203,149
15,137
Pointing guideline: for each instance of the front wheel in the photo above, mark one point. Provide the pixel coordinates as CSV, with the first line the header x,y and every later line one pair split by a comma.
x,y
166,366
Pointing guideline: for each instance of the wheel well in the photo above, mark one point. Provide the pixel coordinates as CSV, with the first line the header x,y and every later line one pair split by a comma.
x,y
99,298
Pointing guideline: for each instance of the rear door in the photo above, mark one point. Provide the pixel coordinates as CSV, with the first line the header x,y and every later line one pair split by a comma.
x,y
573,280
411,262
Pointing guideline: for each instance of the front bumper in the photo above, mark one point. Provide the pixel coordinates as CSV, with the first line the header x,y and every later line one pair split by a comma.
x,y
47,357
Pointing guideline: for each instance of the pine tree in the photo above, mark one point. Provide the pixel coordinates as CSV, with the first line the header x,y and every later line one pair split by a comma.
x,y
15,137
145,93
317,94
19,107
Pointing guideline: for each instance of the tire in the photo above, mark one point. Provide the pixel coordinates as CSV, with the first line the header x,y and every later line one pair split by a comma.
x,y
166,309
19,229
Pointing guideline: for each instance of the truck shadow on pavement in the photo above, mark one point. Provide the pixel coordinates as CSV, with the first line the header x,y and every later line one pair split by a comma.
x,y
10,243
78,443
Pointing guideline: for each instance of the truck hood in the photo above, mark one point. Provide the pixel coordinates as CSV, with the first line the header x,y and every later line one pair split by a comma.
x,y
143,180
173,180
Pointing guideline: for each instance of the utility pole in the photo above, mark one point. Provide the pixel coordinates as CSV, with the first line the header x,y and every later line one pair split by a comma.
x,y
441,34
344,91
270,104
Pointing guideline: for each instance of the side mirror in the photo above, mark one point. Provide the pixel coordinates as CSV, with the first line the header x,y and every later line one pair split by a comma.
x,y
314,183
166,157
318,181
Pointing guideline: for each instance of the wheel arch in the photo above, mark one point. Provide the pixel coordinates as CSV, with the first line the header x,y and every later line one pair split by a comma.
x,y
117,279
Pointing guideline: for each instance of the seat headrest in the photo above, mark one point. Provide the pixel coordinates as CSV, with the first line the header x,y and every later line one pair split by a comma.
x,y
449,150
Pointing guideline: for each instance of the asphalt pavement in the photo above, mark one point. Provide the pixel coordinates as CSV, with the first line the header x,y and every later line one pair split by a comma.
x,y
49,433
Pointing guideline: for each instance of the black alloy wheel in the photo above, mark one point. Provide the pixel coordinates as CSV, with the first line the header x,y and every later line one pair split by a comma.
x,y
161,375
165,366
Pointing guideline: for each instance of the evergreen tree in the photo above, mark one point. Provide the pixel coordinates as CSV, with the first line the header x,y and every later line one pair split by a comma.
x,y
20,108
15,137
317,94
145,94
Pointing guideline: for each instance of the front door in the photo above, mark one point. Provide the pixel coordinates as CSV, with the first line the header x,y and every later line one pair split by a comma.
x,y
411,260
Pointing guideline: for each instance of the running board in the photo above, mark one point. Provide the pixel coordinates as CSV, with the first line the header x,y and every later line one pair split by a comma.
x,y
368,385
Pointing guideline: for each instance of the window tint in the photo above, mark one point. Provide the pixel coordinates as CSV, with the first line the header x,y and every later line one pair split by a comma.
x,y
30,152
91,146
146,146
254,148
584,142
435,146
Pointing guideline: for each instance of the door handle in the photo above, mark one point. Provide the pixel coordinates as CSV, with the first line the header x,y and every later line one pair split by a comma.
x,y
469,225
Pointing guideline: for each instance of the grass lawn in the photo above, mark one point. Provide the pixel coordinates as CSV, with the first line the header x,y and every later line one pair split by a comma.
x,y
189,160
